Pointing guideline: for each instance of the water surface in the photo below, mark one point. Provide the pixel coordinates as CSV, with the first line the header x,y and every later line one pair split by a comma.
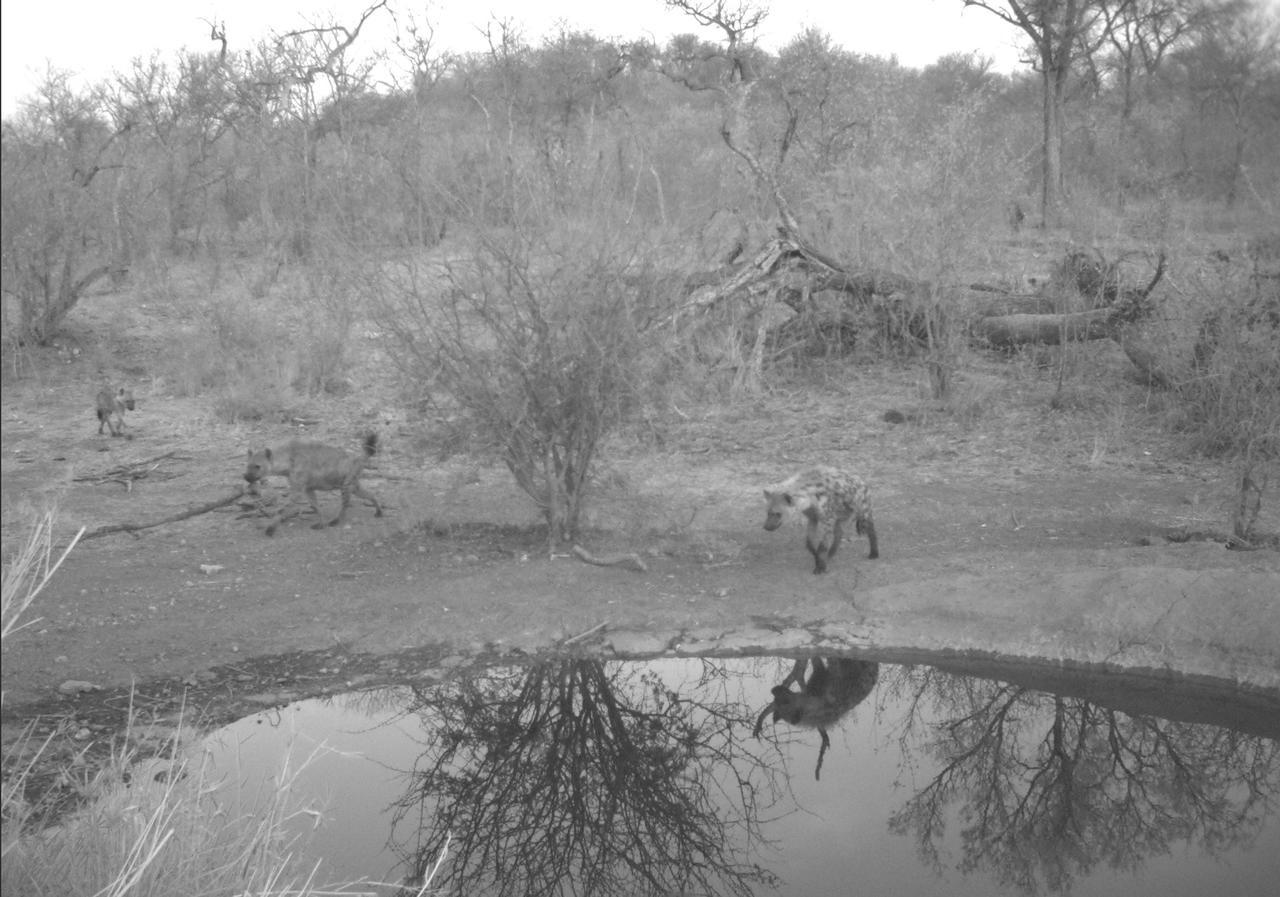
x,y
710,777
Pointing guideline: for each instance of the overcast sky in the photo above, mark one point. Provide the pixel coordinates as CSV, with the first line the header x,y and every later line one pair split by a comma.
x,y
96,37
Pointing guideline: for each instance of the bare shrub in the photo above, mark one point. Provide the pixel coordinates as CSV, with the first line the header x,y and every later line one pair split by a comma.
x,y
927,212
54,207
1230,401
539,337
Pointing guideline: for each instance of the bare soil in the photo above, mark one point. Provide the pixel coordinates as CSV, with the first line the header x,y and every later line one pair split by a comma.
x,y
1007,529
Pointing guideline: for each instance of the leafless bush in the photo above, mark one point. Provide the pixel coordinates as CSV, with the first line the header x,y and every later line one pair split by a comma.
x,y
540,337
55,175
1230,401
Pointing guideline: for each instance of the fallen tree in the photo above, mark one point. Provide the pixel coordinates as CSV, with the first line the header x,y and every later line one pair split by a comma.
x,y
1123,308
1010,331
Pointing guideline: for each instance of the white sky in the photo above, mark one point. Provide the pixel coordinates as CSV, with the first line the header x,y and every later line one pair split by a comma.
x,y
93,38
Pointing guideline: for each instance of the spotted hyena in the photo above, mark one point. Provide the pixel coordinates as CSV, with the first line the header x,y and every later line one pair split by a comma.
x,y
111,409
827,498
311,466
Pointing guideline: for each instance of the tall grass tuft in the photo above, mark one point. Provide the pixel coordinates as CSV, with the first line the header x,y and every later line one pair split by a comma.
x,y
28,570
161,827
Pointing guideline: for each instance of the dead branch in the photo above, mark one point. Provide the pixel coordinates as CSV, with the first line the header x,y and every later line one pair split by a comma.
x,y
348,37
786,256
127,474
628,560
174,518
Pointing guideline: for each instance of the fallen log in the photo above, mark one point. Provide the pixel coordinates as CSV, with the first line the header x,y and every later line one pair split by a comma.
x,y
1151,368
1010,331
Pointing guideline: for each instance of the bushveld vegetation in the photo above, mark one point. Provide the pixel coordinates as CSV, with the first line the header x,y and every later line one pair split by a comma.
x,y
559,237
556,235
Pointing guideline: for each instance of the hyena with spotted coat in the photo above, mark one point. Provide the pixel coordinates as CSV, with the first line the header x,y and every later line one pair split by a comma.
x,y
310,466
111,409
827,498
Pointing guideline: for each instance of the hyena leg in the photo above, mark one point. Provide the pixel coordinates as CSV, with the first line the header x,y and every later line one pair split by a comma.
x,y
315,506
288,508
837,533
342,510
816,542
867,526
369,497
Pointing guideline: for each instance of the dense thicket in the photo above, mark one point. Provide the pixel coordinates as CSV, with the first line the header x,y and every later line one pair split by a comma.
x,y
315,134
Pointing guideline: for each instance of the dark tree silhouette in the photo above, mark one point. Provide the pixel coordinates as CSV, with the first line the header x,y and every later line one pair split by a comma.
x,y
574,772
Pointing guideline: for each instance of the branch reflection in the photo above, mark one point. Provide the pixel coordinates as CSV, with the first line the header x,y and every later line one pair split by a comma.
x,y
1046,788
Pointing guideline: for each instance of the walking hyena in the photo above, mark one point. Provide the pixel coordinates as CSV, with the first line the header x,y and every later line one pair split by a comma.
x,y
827,498
311,466
111,409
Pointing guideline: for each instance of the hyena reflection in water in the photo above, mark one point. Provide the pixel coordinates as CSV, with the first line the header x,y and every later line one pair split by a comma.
x,y
835,687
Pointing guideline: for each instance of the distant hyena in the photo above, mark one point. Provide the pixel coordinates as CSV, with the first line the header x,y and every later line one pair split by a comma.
x,y
111,409
311,466
827,498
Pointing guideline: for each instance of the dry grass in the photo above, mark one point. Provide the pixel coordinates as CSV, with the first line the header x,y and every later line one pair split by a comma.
x,y
143,826
28,570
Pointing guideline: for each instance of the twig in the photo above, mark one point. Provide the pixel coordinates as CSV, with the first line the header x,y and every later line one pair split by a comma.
x,y
581,635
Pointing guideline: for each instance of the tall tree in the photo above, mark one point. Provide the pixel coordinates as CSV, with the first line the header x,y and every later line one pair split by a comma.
x,y
1234,68
1061,32
1141,33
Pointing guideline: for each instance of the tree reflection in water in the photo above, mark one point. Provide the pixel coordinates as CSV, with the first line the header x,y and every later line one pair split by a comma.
x,y
579,777
1046,788
593,778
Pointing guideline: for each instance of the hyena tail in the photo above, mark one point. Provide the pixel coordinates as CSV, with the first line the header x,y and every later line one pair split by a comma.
x,y
370,444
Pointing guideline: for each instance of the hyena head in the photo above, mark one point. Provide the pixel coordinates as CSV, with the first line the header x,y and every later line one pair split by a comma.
x,y
787,705
778,504
258,467
125,397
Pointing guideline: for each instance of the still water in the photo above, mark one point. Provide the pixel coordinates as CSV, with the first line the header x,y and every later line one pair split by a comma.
x,y
705,776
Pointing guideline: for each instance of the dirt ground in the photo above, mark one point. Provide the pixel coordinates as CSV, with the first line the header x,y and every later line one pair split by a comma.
x,y
1006,529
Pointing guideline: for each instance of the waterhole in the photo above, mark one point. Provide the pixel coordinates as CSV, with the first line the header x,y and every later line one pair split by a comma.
x,y
770,775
